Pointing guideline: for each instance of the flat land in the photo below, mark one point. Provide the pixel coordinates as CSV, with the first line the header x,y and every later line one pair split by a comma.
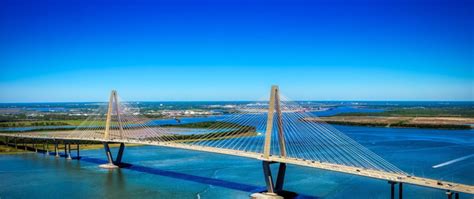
x,y
21,149
53,123
10,150
165,132
403,121
448,111
41,123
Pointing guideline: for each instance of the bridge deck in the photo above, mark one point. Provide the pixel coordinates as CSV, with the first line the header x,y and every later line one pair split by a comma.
x,y
381,175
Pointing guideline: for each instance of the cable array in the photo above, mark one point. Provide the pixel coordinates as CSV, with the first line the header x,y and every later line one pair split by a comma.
x,y
243,130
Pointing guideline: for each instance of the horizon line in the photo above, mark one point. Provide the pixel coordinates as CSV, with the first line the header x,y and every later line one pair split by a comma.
x,y
48,102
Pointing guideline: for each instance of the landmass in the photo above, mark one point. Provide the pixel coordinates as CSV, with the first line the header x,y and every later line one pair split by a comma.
x,y
4,149
219,130
414,117
45,123
417,111
416,122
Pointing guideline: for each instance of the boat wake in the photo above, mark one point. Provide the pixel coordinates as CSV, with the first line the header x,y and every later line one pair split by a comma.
x,y
453,161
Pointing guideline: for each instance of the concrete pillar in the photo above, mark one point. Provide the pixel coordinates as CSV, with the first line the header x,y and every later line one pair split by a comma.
x,y
274,191
392,189
111,163
108,153
77,149
280,177
449,194
278,187
68,152
56,149
34,145
45,147
118,160
400,190
268,176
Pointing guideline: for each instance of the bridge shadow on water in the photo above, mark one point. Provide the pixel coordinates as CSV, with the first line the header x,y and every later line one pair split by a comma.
x,y
189,177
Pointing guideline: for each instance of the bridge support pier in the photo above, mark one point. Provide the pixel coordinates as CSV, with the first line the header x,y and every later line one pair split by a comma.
x,y
68,151
392,189
34,146
77,149
56,149
271,188
274,189
400,190
450,194
65,150
118,160
46,147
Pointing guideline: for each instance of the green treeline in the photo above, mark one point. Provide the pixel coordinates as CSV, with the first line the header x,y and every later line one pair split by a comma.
x,y
402,124
420,112
204,125
39,123
234,130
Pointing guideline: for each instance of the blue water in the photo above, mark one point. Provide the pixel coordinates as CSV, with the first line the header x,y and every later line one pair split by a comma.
x,y
158,172
172,173
346,109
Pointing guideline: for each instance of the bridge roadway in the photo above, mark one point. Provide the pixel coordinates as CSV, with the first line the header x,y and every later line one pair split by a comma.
x,y
381,175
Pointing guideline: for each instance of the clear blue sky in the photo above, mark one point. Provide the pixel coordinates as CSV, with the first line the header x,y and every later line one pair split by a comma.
x,y
235,50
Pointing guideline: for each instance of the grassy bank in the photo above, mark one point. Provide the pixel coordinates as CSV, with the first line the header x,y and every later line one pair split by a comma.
x,y
209,124
465,112
402,122
235,130
229,130
21,149
402,125
10,150
48,123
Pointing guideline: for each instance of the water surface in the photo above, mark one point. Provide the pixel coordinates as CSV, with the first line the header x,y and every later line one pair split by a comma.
x,y
158,172
172,173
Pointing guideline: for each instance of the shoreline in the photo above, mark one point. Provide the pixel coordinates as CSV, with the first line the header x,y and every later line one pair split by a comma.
x,y
457,123
12,150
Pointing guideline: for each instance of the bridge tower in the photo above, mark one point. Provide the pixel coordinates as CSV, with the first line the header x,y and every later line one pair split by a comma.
x,y
274,189
113,106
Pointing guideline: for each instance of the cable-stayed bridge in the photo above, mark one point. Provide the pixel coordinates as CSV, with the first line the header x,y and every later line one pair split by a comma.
x,y
274,132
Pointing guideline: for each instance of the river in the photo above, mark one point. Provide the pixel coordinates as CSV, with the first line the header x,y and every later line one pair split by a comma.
x,y
172,173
